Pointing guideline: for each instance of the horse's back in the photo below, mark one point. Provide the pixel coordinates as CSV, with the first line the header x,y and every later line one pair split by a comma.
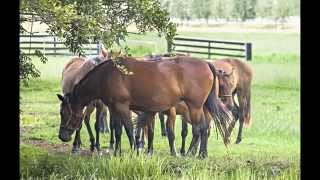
x,y
73,72
173,78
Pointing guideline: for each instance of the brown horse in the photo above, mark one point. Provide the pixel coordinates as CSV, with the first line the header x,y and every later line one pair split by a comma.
x,y
72,73
182,79
235,78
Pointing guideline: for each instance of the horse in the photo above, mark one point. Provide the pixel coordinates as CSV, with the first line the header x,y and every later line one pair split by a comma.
x,y
185,79
235,78
72,73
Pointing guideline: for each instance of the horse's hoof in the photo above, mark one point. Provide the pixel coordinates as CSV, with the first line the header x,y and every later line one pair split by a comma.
x,y
99,153
174,154
238,141
75,150
202,156
183,153
92,148
164,134
149,153
110,148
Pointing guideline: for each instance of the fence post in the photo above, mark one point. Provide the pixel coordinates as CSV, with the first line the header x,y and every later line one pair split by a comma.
x,y
248,51
98,47
54,45
209,47
44,47
169,47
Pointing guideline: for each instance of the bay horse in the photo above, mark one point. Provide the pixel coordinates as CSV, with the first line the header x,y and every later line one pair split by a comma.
x,y
185,79
235,78
72,73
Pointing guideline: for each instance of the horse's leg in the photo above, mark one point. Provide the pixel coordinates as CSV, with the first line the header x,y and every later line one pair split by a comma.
x,y
203,153
89,110
150,125
97,126
195,117
184,133
103,117
141,123
76,142
195,149
163,128
170,130
195,136
144,134
105,112
117,125
241,117
128,126
112,129
122,116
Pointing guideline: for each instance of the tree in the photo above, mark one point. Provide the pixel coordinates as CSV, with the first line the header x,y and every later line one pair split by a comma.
x,y
180,9
196,9
244,9
207,9
281,10
264,8
79,21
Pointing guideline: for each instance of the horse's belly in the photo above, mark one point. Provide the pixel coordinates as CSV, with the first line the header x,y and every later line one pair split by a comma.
x,y
154,103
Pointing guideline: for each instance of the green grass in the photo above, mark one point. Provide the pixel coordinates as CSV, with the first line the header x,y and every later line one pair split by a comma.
x,y
262,43
270,148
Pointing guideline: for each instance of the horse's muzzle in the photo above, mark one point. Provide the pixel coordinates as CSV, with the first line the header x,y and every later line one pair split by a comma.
x,y
65,135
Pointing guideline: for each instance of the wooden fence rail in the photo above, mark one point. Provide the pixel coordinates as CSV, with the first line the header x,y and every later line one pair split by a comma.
x,y
211,47
51,45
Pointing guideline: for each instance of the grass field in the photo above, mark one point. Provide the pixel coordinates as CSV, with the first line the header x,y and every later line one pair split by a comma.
x,y
270,148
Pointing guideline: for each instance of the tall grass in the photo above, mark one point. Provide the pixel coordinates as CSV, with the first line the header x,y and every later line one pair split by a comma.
x,y
36,163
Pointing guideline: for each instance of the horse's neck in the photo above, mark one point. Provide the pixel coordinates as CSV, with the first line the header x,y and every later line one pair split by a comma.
x,y
88,89
93,84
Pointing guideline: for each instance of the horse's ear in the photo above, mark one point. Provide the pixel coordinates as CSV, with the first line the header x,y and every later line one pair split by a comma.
x,y
60,97
104,52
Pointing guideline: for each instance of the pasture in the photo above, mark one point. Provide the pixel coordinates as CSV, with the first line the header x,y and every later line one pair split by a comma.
x,y
270,148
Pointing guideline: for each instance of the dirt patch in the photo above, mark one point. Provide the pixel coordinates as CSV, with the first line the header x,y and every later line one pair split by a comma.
x,y
62,148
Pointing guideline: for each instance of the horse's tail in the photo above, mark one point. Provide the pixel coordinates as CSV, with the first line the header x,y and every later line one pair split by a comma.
x,y
245,93
219,112
247,107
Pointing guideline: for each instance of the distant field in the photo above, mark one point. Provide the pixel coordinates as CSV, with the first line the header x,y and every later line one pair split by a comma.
x,y
270,148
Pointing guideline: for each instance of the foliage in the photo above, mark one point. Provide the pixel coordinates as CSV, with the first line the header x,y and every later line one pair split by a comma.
x,y
27,69
281,10
225,9
79,22
244,9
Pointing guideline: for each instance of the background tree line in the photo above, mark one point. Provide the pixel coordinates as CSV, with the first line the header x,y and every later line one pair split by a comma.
x,y
240,10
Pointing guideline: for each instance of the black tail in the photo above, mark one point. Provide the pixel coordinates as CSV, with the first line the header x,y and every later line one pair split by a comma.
x,y
220,113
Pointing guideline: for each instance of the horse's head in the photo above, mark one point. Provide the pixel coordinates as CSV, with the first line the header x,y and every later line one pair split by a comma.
x,y
226,87
71,117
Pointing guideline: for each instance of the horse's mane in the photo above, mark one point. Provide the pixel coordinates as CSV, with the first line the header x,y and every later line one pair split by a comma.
x,y
74,91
